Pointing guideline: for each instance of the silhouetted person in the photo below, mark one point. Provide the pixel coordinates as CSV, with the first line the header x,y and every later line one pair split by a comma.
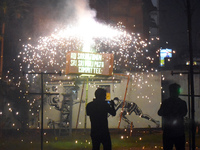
x,y
98,111
173,111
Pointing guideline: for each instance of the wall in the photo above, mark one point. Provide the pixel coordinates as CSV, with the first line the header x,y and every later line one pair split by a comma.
x,y
143,92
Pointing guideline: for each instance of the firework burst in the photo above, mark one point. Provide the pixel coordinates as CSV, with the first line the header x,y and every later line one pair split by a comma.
x,y
49,53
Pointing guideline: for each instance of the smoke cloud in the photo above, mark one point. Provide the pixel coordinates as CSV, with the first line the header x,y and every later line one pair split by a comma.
x,y
77,10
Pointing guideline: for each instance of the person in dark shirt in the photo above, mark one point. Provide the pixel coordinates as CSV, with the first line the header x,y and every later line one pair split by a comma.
x,y
173,111
98,111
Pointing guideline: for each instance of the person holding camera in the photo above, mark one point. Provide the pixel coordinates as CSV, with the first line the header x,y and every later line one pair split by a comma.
x,y
98,111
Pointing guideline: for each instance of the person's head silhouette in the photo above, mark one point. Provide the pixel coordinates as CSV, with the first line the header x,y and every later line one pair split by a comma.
x,y
174,90
100,94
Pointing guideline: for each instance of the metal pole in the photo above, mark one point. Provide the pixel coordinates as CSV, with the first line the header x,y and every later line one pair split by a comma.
x,y
131,129
42,110
191,73
2,49
80,105
189,110
2,40
86,99
123,101
42,101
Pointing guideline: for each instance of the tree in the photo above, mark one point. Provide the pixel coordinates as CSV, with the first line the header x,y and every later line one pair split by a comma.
x,y
10,9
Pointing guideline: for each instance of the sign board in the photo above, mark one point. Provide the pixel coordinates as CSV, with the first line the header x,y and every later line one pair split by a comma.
x,y
164,53
89,63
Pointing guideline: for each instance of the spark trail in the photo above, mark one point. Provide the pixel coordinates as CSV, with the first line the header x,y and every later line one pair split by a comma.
x,y
49,52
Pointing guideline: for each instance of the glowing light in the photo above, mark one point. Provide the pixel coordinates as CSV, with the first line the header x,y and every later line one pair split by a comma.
x,y
49,52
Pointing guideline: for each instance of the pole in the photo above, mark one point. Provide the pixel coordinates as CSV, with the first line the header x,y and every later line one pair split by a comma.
x,y
131,129
2,40
42,102
123,101
86,99
80,104
2,47
42,108
189,111
191,73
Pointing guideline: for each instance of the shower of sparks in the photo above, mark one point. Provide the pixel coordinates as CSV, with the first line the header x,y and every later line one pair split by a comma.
x,y
49,52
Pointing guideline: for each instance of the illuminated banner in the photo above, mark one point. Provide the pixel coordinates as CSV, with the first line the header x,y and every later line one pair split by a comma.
x,y
89,63
165,53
